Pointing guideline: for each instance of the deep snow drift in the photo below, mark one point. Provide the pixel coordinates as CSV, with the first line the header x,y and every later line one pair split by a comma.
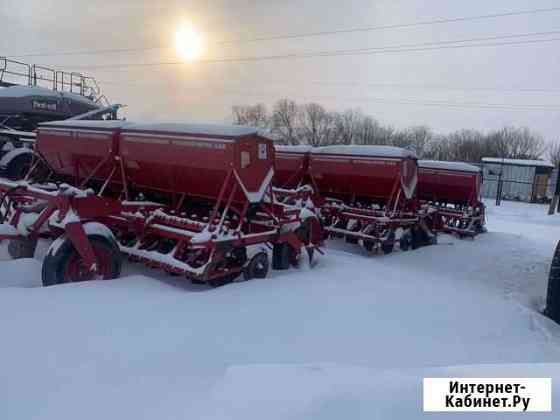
x,y
351,338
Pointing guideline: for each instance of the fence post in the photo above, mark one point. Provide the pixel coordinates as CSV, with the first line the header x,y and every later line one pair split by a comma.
x,y
499,189
555,203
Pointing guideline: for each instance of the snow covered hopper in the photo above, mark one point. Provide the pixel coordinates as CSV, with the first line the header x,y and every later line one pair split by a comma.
x,y
380,174
453,190
194,200
370,195
291,166
170,159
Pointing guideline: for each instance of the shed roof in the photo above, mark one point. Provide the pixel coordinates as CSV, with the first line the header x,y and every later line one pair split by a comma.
x,y
519,162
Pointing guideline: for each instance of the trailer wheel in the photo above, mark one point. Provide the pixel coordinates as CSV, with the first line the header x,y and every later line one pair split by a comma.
x,y
257,268
63,264
369,246
389,245
281,255
405,242
220,281
17,168
22,248
553,291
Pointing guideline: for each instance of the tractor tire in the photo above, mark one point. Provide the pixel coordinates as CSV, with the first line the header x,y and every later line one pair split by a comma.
x,y
17,168
405,242
368,245
220,281
389,245
553,291
64,264
258,267
281,256
22,248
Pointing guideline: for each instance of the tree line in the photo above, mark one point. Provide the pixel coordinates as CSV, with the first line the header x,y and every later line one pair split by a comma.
x,y
291,123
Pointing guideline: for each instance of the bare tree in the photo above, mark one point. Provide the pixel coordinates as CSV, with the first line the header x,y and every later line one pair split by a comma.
x,y
413,138
346,126
369,131
553,153
284,121
251,115
316,125
313,124
517,143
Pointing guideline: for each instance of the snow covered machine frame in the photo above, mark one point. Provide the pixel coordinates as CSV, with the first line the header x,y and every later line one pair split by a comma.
x,y
452,190
193,200
367,194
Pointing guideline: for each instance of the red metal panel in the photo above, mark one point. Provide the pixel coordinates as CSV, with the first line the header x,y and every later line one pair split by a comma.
x,y
290,168
454,187
349,176
67,149
194,164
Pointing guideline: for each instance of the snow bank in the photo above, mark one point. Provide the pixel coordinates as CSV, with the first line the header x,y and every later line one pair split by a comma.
x,y
334,392
374,151
20,274
351,338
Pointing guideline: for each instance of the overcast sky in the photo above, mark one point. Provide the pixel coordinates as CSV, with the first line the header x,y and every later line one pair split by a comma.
x,y
206,91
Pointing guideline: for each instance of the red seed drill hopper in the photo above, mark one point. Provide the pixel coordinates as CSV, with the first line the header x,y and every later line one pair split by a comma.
x,y
453,190
193,200
291,166
370,196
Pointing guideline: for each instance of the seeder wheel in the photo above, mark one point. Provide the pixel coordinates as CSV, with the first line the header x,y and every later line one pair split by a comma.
x,y
22,248
257,268
17,168
389,244
63,263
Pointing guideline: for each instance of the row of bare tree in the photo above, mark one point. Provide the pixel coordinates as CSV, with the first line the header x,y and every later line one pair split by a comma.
x,y
310,123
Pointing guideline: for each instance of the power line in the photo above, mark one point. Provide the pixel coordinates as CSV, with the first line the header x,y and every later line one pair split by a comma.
x,y
439,87
305,34
388,85
405,48
397,101
431,103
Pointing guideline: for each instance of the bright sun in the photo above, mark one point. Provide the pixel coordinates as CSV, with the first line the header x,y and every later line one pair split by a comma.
x,y
188,42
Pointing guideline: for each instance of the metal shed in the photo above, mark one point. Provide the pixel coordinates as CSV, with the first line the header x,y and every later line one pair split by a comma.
x,y
516,179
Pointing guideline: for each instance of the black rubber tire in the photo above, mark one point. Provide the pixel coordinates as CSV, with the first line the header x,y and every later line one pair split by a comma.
x,y
258,267
22,248
281,255
18,167
389,245
54,265
421,238
221,281
405,242
553,291
369,246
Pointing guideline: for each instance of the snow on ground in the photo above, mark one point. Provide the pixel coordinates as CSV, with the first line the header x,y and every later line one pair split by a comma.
x,y
351,338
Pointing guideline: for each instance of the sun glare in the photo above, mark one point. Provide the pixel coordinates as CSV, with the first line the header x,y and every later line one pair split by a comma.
x,y
188,42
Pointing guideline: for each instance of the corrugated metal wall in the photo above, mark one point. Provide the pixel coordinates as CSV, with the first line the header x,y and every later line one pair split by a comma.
x,y
517,181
